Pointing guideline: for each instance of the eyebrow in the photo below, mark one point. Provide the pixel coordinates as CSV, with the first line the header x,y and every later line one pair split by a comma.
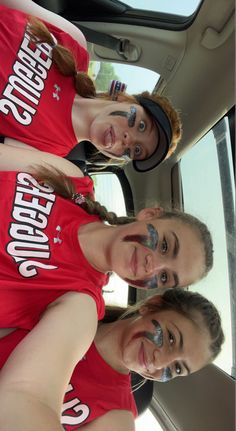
x,y
181,345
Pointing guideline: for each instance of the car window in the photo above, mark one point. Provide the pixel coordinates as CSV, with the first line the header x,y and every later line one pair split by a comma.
x,y
108,192
208,192
183,8
147,421
138,79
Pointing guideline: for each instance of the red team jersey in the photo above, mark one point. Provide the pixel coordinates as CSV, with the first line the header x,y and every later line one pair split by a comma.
x,y
40,256
35,98
94,389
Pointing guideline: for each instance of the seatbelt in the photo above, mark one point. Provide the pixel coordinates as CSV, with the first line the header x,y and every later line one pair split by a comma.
x,y
122,46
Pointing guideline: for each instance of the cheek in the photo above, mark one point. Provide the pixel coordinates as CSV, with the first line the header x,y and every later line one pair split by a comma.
x,y
130,352
95,131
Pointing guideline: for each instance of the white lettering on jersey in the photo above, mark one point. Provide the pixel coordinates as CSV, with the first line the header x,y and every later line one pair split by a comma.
x,y
22,93
73,411
32,206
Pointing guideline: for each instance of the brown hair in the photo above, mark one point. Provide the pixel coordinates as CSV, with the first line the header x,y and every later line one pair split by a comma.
x,y
164,102
64,60
62,57
65,187
192,305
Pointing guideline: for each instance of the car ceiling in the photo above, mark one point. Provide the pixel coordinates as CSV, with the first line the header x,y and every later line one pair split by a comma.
x,y
196,64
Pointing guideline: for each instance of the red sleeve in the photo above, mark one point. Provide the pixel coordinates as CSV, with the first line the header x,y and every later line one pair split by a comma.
x,y
84,185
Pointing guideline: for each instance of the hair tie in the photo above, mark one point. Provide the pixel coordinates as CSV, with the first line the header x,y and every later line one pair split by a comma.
x,y
115,88
78,198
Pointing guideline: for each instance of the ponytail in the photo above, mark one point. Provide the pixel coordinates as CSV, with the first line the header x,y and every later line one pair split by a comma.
x,y
62,57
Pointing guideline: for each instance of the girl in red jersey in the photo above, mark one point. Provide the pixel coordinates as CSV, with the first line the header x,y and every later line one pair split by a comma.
x,y
50,104
53,243
56,254
147,340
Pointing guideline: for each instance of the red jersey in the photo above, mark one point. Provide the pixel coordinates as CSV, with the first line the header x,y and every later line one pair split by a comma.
x,y
35,98
94,389
40,255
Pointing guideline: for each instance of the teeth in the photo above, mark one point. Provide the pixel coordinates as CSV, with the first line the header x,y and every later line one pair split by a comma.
x,y
108,143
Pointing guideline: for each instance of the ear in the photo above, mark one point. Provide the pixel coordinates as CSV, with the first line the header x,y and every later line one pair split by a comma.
x,y
150,304
149,213
143,310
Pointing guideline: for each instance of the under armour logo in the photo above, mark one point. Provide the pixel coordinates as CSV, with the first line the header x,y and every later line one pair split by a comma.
x,y
57,240
56,92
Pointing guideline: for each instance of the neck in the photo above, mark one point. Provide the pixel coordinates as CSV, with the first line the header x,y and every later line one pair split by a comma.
x,y
108,341
95,241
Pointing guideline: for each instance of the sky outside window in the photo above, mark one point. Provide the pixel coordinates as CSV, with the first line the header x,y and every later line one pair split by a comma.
x,y
183,7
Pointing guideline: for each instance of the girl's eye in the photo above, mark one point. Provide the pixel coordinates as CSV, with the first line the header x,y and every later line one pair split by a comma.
x,y
137,150
178,369
142,126
164,277
171,338
164,246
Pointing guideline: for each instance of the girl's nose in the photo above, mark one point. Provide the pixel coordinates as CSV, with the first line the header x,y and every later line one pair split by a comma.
x,y
148,264
153,264
126,139
163,358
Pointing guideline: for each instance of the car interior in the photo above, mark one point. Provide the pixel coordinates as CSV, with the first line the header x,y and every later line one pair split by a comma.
x,y
190,56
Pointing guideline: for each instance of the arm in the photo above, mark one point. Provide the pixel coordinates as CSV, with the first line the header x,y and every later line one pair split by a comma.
x,y
36,375
115,420
14,158
31,8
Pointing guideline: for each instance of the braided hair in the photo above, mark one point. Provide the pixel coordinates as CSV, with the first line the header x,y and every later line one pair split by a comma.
x,y
65,187
62,57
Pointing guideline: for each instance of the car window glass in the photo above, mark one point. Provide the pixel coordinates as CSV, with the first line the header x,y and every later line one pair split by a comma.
x,y
183,7
108,192
147,421
207,170
136,78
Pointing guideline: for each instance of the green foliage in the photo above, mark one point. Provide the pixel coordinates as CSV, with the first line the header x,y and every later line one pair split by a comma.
x,y
105,75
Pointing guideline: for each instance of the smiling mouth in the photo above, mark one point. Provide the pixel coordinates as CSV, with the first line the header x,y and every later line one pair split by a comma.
x,y
109,138
134,262
142,358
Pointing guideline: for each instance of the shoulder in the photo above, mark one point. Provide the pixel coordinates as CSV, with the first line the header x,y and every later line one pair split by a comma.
x,y
31,8
17,156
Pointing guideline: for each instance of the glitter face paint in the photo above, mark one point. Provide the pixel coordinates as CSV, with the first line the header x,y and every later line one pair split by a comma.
x,y
157,339
166,375
149,241
131,116
148,283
